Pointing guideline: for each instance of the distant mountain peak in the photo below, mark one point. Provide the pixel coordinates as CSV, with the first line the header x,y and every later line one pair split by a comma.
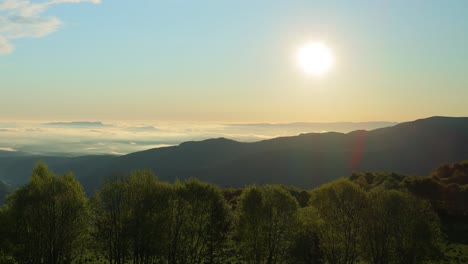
x,y
210,141
306,160
435,118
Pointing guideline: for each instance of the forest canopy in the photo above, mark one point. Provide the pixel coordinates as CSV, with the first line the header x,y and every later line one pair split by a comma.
x,y
370,217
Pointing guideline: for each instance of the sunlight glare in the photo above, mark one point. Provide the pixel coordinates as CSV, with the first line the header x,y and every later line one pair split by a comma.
x,y
315,58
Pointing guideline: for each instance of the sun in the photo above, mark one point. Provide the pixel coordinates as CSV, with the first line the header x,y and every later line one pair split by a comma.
x,y
315,58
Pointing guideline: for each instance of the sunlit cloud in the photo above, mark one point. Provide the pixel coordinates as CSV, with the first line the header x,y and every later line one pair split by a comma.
x,y
25,19
5,47
8,149
79,138
142,129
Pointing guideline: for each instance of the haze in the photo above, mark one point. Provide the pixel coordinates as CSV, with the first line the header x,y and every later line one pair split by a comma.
x,y
118,138
231,61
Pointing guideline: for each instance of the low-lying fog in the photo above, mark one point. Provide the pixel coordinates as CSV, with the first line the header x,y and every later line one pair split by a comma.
x,y
118,138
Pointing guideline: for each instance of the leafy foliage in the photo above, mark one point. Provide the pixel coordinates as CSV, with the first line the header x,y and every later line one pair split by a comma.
x,y
400,228
446,189
267,216
340,205
48,219
370,217
4,190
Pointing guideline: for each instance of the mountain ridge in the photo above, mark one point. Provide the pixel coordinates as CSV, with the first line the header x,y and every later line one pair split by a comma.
x,y
306,160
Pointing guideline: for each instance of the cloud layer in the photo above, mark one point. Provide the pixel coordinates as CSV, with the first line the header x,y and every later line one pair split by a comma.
x,y
80,138
25,19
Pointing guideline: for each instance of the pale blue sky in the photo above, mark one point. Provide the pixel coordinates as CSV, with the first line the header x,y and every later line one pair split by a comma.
x,y
233,61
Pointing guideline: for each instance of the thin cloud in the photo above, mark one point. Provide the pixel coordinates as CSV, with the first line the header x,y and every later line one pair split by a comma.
x,y
8,149
25,19
5,47
83,138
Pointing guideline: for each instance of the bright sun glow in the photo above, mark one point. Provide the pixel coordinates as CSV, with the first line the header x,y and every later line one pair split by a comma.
x,y
315,58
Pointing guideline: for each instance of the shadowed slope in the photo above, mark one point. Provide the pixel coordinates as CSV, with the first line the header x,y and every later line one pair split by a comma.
x,y
306,160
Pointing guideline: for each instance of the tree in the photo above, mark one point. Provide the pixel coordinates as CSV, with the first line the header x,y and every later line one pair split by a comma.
x,y
381,220
4,190
200,224
306,246
49,218
340,205
149,217
111,213
140,219
267,216
399,228
417,230
252,213
6,243
132,217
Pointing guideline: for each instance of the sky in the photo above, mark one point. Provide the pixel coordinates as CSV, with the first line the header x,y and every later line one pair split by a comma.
x,y
231,61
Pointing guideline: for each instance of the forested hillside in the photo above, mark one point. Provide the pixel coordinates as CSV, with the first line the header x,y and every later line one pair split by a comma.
x,y
136,218
446,189
4,190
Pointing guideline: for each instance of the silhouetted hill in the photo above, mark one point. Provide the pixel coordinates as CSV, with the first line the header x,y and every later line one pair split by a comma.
x,y
4,153
300,127
306,160
4,190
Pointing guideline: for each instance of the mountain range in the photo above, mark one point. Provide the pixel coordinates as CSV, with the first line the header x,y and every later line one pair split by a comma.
x,y
306,160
